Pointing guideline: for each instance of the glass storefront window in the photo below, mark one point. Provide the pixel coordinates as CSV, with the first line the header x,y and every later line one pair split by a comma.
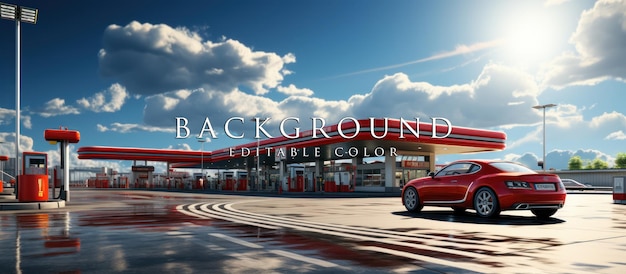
x,y
370,175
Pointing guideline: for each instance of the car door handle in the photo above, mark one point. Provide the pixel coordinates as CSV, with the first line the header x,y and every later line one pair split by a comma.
x,y
453,181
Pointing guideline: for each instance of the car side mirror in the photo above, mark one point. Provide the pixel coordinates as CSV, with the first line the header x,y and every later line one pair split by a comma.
x,y
431,174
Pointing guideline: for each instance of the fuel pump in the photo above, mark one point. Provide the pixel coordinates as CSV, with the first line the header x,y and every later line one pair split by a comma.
x,y
2,160
33,183
64,137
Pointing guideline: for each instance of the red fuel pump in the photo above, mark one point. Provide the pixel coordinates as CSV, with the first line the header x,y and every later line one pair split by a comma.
x,y
33,183
64,137
2,160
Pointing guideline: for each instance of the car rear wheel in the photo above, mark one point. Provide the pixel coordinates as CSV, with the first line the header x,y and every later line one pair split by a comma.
x,y
486,203
412,200
543,213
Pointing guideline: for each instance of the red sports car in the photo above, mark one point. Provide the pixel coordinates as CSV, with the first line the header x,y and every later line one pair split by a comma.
x,y
487,187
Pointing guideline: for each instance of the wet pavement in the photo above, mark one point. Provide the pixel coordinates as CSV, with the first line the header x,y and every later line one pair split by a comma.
x,y
132,231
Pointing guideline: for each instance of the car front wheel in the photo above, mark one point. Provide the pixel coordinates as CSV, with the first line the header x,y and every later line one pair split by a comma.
x,y
486,203
543,213
412,200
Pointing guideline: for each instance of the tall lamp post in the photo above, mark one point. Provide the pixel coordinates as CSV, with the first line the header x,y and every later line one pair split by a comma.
x,y
543,166
258,165
202,141
17,14
258,157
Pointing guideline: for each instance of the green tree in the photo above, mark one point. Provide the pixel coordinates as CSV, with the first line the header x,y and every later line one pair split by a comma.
x,y
620,161
575,163
597,164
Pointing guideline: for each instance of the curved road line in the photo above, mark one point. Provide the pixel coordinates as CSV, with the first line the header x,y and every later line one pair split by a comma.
x,y
462,259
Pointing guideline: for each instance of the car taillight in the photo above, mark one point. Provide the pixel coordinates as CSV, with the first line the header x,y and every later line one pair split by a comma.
x,y
517,184
561,185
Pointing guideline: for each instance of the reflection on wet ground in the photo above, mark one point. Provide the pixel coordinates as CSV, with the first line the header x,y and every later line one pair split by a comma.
x,y
139,231
418,246
143,233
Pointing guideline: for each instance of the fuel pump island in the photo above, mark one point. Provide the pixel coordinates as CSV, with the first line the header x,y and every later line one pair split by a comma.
x,y
32,185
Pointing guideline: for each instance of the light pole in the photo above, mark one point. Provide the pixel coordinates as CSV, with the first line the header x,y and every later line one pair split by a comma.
x,y
258,165
202,141
543,166
18,14
258,158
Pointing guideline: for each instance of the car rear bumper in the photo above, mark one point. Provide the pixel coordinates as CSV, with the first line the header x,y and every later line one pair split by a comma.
x,y
533,200
526,206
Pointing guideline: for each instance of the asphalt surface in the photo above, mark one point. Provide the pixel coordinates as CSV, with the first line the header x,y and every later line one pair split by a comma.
x,y
134,231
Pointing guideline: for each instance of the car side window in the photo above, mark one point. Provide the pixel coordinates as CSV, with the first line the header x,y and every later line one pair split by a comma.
x,y
455,169
474,168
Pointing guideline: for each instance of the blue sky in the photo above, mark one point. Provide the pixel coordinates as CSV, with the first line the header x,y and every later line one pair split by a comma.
x,y
120,71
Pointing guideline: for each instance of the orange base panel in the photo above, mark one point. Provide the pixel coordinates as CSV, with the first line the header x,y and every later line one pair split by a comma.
x,y
32,188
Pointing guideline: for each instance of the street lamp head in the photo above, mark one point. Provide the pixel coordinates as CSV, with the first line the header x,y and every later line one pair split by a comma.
x,y
28,15
18,13
544,106
8,11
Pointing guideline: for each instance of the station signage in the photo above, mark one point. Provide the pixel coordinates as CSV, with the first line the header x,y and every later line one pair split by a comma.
x,y
415,164
142,168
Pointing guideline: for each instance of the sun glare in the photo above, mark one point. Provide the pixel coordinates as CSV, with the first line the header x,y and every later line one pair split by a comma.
x,y
530,38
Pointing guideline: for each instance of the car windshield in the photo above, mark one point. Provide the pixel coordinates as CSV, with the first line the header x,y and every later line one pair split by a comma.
x,y
512,167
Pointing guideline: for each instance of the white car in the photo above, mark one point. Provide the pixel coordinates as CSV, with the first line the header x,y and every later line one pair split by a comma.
x,y
571,184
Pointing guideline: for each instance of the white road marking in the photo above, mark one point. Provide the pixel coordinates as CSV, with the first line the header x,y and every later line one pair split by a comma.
x,y
299,257
235,240
205,210
283,253
461,265
353,233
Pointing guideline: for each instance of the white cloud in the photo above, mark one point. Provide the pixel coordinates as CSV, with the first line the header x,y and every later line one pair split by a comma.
x,y
98,102
499,96
292,90
7,143
606,125
151,59
26,121
199,104
7,117
54,159
599,39
183,146
528,159
289,58
199,79
617,135
102,128
56,107
565,115
612,119
126,128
